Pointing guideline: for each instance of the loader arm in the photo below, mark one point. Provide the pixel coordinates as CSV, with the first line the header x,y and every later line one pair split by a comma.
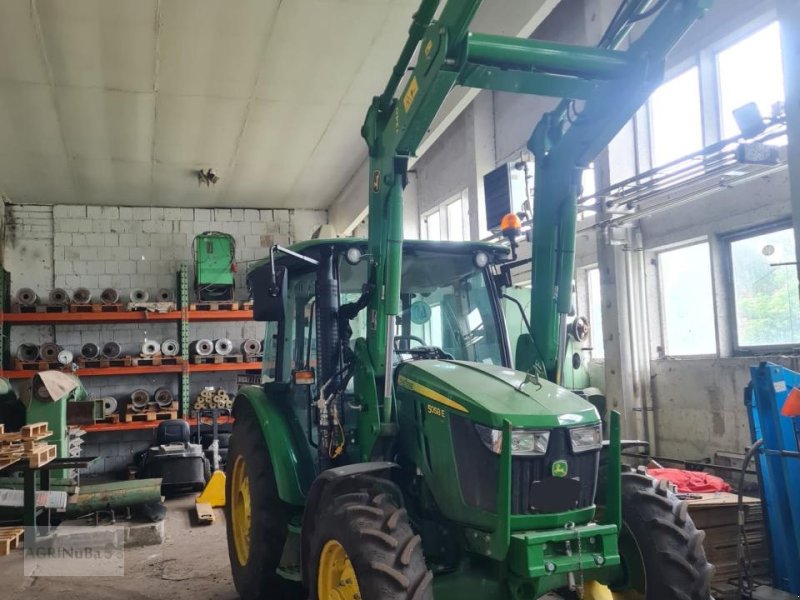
x,y
613,84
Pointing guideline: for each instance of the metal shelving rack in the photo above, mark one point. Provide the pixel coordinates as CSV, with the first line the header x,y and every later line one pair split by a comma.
x,y
182,317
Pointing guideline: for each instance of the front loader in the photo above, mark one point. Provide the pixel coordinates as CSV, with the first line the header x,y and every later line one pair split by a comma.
x,y
393,452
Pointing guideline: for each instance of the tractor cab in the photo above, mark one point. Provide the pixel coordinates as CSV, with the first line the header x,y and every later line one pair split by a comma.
x,y
314,299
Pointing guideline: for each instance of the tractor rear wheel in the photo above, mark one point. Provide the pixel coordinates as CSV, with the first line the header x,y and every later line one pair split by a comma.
x,y
364,548
256,518
661,549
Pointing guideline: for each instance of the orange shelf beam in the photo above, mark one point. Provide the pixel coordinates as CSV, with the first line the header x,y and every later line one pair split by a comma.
x,y
126,316
103,372
143,425
242,366
207,316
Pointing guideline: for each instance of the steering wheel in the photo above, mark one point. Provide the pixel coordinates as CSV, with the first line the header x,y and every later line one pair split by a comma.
x,y
409,339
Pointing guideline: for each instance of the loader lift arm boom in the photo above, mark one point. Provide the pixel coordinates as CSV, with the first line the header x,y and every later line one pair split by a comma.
x,y
613,84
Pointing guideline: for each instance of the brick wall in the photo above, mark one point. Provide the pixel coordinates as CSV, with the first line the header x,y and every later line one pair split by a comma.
x,y
134,247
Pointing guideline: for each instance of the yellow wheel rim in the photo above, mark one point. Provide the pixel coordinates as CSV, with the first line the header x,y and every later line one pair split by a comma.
x,y
240,510
594,590
336,578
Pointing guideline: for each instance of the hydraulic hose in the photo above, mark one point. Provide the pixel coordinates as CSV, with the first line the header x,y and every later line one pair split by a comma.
x,y
740,519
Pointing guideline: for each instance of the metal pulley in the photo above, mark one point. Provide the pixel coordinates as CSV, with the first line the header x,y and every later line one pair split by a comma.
x,y
82,295
26,297
170,348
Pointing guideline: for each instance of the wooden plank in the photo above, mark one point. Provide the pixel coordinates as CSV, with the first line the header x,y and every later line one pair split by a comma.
x,y
205,514
95,308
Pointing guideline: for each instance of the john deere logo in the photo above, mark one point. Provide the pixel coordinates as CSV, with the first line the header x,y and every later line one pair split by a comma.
x,y
559,468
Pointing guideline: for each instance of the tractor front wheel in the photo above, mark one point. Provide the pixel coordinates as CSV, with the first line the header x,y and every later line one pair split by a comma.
x,y
364,548
661,549
256,519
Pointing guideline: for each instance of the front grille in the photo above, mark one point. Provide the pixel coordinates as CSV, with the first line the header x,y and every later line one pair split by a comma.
x,y
526,470
478,469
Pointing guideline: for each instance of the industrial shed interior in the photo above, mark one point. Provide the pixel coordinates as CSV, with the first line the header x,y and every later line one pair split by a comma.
x,y
400,299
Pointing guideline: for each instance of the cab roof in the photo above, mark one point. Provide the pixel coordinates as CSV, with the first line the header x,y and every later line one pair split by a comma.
x,y
446,246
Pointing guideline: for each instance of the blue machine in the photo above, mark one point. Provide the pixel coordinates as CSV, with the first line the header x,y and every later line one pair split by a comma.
x,y
778,462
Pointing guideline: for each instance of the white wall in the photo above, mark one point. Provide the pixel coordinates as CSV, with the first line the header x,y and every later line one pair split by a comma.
x,y
140,247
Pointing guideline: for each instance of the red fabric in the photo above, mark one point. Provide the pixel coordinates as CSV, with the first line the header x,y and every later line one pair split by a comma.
x,y
691,482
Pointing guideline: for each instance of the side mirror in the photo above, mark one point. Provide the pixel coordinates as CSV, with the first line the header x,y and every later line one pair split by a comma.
x,y
268,284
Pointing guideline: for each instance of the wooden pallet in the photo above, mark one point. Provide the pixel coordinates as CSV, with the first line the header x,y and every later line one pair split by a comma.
x,y
151,415
95,308
253,357
35,431
36,365
216,305
155,361
40,308
159,307
10,538
113,418
40,455
217,359
104,363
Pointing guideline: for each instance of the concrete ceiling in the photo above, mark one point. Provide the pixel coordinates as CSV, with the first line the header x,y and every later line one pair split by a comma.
x,y
119,102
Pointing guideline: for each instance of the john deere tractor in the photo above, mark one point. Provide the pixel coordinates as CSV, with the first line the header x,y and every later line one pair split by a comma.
x,y
393,451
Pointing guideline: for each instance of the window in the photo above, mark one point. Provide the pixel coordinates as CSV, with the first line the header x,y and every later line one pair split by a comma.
x,y
595,314
687,301
588,189
750,71
446,303
448,221
676,126
431,226
765,295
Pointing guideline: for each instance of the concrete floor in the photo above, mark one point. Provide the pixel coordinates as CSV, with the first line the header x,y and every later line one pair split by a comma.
x,y
191,564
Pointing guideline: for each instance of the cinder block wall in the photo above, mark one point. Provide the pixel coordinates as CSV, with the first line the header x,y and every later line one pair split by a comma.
x,y
135,247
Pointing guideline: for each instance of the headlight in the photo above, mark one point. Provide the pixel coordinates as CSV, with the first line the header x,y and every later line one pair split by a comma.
x,y
523,441
584,439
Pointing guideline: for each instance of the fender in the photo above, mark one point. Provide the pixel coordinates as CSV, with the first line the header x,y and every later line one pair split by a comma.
x,y
293,469
330,483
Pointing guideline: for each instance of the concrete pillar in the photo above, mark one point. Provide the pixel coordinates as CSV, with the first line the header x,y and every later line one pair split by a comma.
x,y
620,262
480,158
789,16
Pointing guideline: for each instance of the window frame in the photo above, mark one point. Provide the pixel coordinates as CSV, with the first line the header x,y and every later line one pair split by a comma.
x,y
663,352
444,225
585,306
733,326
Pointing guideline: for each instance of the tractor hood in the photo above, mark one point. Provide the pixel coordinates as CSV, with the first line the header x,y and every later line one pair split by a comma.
x,y
489,394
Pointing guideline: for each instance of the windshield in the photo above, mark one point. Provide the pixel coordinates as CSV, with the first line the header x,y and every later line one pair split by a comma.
x,y
446,303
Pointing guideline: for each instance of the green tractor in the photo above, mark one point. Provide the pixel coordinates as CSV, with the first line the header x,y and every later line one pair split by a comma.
x,y
393,451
